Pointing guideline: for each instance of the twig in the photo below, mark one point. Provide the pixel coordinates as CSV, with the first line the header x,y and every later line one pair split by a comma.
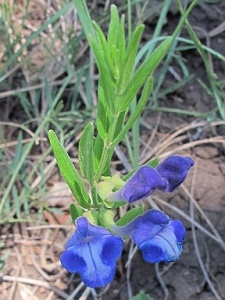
x,y
35,282
161,281
50,226
128,265
74,293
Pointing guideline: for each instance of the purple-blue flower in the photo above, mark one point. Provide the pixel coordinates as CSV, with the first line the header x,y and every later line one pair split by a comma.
x,y
167,176
174,169
92,252
156,235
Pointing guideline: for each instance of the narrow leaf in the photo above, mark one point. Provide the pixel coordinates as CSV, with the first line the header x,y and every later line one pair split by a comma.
x,y
85,153
106,77
113,27
130,215
131,53
75,211
85,19
69,171
98,148
119,124
105,47
143,72
140,106
122,41
103,118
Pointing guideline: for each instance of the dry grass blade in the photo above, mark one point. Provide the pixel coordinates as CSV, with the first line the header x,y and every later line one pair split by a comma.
x,y
209,223
186,217
182,134
195,241
35,282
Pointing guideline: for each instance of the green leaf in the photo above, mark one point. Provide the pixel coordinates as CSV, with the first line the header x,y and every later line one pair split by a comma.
x,y
142,296
113,30
140,106
103,45
106,103
122,41
130,56
118,204
84,16
75,211
98,148
103,121
119,124
69,172
130,215
85,153
143,72
153,163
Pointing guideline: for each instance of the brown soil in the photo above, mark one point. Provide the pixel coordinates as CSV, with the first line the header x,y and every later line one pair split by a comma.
x,y
34,253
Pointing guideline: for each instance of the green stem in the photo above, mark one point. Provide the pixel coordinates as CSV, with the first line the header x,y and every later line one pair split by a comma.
x,y
107,149
104,159
94,196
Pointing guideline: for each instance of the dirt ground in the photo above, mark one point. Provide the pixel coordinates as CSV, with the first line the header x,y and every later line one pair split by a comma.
x,y
34,253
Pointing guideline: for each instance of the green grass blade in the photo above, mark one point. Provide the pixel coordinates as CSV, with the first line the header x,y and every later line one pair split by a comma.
x,y
160,24
33,36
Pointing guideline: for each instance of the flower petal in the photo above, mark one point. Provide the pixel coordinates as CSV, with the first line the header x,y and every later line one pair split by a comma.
x,y
167,176
92,252
143,183
174,169
164,246
72,262
156,235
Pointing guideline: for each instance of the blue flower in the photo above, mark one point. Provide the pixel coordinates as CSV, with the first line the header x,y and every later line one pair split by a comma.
x,y
167,176
156,235
174,169
92,252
